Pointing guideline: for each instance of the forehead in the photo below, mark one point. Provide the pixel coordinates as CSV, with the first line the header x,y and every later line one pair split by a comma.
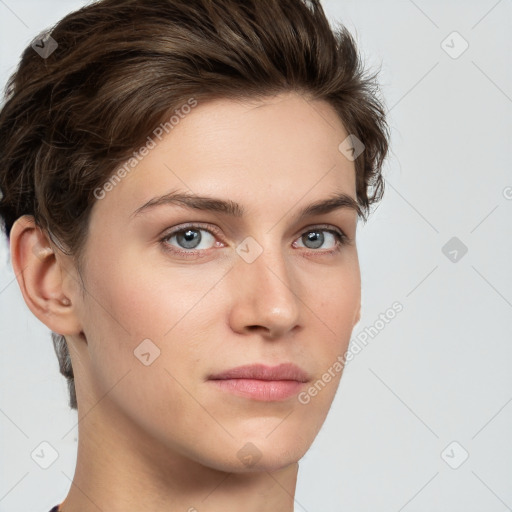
x,y
275,149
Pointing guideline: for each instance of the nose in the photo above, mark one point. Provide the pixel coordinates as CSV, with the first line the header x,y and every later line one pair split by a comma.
x,y
265,296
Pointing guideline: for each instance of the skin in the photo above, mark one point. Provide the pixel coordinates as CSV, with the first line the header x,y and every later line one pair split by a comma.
x,y
162,437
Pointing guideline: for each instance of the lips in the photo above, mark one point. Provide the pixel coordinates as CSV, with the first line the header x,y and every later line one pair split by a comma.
x,y
285,371
261,382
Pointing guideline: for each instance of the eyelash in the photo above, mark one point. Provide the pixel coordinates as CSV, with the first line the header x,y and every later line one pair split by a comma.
x,y
341,237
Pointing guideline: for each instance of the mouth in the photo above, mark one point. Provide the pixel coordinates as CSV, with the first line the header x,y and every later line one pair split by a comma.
x,y
261,382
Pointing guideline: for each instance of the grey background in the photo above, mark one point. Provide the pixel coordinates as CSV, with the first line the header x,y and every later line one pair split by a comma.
x,y
439,372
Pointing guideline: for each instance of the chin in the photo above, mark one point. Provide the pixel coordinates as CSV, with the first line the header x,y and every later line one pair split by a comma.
x,y
255,454
267,454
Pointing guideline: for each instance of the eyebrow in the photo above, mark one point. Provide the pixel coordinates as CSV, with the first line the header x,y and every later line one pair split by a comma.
x,y
338,201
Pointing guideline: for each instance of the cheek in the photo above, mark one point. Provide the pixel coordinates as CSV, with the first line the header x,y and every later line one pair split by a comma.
x,y
136,309
141,334
142,300
335,306
335,299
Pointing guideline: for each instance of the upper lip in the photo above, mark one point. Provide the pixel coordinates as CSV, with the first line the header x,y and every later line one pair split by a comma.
x,y
284,371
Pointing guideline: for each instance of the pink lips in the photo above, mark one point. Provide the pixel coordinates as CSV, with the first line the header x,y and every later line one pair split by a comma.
x,y
261,382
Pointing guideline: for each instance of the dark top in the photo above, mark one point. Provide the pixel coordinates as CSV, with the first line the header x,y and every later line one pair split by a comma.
x,y
55,509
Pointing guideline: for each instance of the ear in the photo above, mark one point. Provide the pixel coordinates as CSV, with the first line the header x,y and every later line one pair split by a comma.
x,y
41,276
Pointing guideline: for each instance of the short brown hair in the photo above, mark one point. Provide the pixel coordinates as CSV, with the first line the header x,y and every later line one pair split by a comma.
x,y
123,66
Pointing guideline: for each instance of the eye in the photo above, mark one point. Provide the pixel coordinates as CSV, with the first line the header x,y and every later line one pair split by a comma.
x,y
315,238
189,239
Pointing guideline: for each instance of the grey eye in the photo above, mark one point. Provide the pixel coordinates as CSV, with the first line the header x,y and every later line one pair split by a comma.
x,y
191,238
315,239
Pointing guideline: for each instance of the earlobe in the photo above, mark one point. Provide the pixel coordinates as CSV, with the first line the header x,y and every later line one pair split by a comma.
x,y
39,277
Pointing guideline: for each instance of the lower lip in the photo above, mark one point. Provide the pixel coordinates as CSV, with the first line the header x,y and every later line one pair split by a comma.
x,y
263,390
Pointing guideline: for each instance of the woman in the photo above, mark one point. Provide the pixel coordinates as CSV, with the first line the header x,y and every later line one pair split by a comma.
x,y
181,183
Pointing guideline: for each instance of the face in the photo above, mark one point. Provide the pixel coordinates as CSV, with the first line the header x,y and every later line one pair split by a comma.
x,y
179,294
